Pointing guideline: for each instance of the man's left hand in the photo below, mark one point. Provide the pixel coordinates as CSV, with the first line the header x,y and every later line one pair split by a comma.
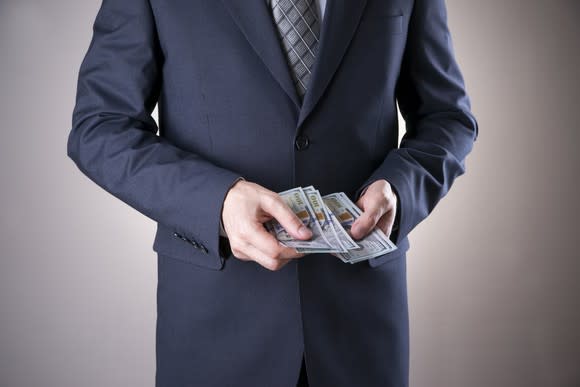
x,y
379,206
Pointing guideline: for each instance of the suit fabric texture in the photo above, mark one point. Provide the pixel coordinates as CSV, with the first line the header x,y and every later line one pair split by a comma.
x,y
228,109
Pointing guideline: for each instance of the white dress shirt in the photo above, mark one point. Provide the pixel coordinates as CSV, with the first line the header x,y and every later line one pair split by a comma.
x,y
320,6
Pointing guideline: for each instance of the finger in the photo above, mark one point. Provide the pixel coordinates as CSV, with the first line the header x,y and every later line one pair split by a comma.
x,y
290,253
263,259
360,202
275,206
246,252
368,219
269,245
386,223
363,226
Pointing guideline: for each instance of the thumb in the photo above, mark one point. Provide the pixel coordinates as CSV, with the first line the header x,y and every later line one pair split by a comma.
x,y
366,222
287,218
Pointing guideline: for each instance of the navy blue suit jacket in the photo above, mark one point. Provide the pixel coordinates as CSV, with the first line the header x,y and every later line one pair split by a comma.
x,y
228,109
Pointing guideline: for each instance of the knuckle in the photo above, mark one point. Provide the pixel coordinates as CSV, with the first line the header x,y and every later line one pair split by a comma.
x,y
290,252
237,245
381,207
270,254
272,265
366,221
274,252
235,241
297,221
236,250
278,265
237,253
271,199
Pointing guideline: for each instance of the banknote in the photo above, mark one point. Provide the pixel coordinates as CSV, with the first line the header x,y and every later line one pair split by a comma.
x,y
330,218
299,204
324,219
374,244
342,238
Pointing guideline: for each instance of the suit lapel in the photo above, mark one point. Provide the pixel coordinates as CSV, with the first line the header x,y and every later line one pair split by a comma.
x,y
341,18
338,27
254,19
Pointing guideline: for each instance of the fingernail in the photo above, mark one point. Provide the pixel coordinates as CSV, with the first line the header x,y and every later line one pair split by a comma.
x,y
304,232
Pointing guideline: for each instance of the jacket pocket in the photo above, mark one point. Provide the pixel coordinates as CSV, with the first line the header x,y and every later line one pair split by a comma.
x,y
389,24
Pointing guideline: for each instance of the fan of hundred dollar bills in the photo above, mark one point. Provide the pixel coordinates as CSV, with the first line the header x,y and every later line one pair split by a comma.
x,y
329,217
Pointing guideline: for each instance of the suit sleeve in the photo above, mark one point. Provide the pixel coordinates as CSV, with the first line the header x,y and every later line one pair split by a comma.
x,y
441,129
114,139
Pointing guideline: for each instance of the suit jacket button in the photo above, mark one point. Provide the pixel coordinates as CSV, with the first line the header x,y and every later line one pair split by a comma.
x,y
302,142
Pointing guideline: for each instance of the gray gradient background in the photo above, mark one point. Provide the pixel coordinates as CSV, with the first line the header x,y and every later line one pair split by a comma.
x,y
493,272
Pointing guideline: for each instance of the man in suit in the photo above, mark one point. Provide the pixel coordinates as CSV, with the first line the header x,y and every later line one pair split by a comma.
x,y
256,97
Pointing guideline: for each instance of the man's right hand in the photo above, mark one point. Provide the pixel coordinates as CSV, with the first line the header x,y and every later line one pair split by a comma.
x,y
247,206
